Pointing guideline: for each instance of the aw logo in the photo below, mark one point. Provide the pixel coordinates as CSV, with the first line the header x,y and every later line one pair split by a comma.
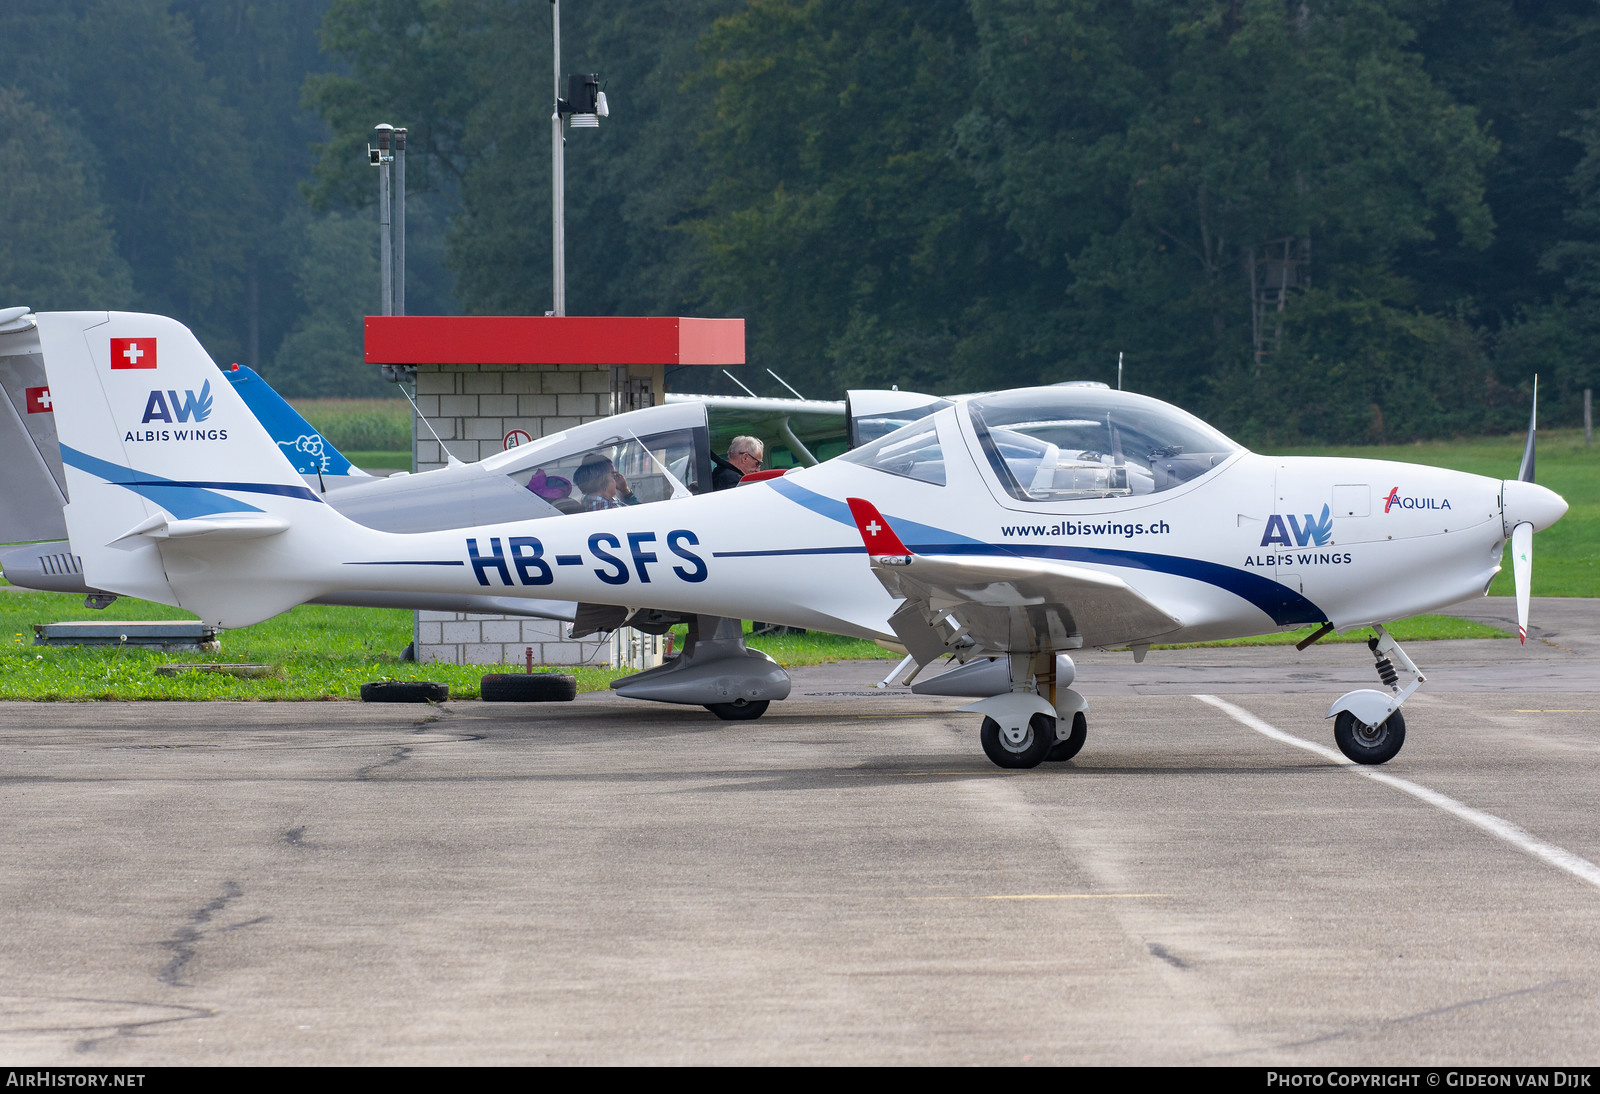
x,y
167,407
1315,532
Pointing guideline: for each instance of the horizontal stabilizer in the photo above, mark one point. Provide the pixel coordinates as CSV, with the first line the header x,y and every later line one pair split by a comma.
x,y
221,526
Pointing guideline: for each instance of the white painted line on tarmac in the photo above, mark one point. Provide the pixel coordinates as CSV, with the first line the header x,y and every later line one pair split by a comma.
x,y
1558,857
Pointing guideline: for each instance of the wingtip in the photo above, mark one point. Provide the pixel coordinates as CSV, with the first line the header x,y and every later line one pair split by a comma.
x,y
876,535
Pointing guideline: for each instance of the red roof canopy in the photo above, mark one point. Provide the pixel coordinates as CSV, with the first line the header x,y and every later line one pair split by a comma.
x,y
552,340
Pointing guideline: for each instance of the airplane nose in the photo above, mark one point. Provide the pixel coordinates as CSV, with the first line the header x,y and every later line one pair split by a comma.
x,y
1529,503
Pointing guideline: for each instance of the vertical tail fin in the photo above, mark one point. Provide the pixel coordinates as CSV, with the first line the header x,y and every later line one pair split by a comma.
x,y
157,447
307,449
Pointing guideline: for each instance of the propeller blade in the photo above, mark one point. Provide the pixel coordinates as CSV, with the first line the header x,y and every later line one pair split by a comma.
x,y
1522,572
1525,472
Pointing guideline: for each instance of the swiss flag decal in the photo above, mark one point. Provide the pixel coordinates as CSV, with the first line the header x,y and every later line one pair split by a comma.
x,y
38,400
133,353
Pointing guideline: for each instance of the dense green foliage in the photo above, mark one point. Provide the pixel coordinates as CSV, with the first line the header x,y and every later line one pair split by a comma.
x,y
951,195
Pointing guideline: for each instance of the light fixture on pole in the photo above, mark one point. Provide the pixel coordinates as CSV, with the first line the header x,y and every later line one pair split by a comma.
x,y
586,104
381,156
388,155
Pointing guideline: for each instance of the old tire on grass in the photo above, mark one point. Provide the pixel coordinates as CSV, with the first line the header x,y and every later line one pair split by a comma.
x,y
404,691
536,687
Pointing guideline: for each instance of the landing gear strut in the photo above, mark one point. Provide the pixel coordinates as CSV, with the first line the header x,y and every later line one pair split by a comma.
x,y
1368,726
1021,728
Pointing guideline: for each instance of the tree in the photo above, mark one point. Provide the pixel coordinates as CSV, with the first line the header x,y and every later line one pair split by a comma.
x,y
57,251
256,54
839,220
471,82
1152,159
336,277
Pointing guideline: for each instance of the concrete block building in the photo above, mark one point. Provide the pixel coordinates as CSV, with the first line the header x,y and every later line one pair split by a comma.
x,y
487,382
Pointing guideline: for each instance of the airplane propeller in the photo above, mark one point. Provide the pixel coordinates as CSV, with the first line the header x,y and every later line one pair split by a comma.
x,y
1522,534
1522,531
1522,573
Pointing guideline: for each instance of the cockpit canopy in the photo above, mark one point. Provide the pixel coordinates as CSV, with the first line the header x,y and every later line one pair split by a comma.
x,y
1064,443
1056,444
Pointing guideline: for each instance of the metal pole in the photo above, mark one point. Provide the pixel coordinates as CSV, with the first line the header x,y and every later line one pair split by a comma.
x,y
399,222
558,214
385,237
1588,417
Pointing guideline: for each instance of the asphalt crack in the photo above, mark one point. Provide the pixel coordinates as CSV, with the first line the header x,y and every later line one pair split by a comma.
x,y
400,754
92,1033
184,941
1158,950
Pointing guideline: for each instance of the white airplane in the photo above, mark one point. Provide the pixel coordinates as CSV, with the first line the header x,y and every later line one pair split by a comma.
x,y
1005,530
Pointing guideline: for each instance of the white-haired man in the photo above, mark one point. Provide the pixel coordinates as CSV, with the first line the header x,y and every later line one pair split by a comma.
x,y
745,455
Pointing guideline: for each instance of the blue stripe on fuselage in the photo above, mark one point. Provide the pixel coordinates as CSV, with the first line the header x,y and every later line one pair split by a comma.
x,y
182,499
907,530
1284,605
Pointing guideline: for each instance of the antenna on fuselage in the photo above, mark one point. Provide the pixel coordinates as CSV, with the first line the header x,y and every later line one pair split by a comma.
x,y
735,379
450,458
785,383
1119,370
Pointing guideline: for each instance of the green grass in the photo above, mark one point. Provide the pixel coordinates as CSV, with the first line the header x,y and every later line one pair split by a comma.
x,y
379,460
1566,557
1419,628
320,652
328,653
360,425
811,648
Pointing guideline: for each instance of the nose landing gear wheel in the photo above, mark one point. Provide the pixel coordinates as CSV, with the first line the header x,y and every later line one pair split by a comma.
x,y
740,710
1028,752
1065,750
1366,744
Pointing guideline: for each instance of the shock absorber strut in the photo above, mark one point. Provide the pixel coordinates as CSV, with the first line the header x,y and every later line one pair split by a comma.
x,y
1386,670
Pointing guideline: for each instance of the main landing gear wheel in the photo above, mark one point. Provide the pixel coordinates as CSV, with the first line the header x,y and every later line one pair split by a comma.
x,y
1065,750
740,710
1035,745
1366,744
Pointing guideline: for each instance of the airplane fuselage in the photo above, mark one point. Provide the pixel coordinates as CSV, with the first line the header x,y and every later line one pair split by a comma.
x,y
1257,544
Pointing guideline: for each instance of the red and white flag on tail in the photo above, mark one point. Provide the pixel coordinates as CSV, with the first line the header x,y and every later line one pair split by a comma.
x,y
133,353
38,400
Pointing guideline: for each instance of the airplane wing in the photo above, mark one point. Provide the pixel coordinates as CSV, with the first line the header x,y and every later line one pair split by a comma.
x,y
35,488
978,606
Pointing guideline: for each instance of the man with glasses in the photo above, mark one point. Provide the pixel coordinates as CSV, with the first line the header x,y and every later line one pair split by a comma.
x,y
745,455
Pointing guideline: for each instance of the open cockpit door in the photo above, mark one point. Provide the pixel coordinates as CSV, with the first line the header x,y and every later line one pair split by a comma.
x,y
873,414
794,432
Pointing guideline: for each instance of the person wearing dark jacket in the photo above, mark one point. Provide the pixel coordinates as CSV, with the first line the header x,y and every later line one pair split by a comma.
x,y
745,455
